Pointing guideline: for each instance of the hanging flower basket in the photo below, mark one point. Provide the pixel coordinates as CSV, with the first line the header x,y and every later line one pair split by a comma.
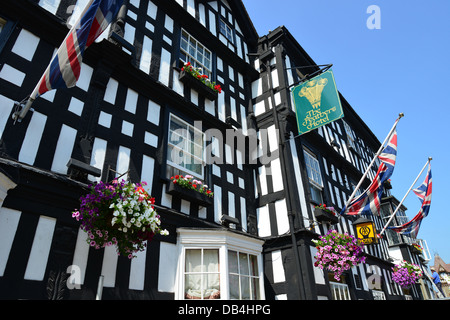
x,y
406,274
338,252
120,214
191,189
322,213
200,82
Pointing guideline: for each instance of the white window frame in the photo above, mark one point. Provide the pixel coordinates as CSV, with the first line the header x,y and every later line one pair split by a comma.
x,y
241,275
185,149
339,291
195,53
313,170
378,295
226,31
224,241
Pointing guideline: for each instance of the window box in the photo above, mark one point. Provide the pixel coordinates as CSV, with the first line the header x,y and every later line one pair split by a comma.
x,y
197,85
189,195
324,216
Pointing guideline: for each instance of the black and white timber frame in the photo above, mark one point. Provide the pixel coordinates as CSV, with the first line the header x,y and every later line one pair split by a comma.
x,y
116,119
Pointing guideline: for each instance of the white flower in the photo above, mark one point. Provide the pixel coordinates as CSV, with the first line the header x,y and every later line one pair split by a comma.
x,y
125,229
164,232
113,221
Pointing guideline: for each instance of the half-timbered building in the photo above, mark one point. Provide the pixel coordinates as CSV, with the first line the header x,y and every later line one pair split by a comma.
x,y
253,239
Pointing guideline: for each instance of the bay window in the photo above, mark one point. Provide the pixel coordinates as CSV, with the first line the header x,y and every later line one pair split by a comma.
x,y
219,264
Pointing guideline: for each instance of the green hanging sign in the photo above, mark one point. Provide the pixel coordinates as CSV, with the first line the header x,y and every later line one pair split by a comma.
x,y
316,102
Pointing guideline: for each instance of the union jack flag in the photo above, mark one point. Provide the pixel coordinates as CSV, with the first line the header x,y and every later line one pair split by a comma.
x,y
64,70
423,192
369,201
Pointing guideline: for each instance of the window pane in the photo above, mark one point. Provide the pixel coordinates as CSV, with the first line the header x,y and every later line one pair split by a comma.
x,y
255,288
194,260
243,264
207,64
195,168
245,288
234,287
211,284
254,265
184,44
192,50
211,260
232,262
193,284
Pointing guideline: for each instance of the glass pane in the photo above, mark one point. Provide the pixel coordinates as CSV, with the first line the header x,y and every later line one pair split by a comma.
x,y
254,265
196,168
234,287
193,284
192,50
211,285
177,137
245,288
211,260
207,64
255,288
184,35
193,260
232,262
243,264
198,152
200,53
184,44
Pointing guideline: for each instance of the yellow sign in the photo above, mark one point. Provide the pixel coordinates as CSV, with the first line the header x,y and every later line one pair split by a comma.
x,y
366,232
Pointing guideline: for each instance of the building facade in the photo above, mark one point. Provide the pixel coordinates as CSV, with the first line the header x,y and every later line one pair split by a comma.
x,y
123,118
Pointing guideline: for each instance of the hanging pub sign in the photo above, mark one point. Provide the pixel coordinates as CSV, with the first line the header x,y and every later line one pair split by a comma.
x,y
316,102
365,231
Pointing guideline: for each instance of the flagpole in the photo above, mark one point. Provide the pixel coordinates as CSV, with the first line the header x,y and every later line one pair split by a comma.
x,y
373,160
401,202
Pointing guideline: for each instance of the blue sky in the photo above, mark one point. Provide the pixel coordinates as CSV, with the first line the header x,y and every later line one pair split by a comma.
x,y
401,67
